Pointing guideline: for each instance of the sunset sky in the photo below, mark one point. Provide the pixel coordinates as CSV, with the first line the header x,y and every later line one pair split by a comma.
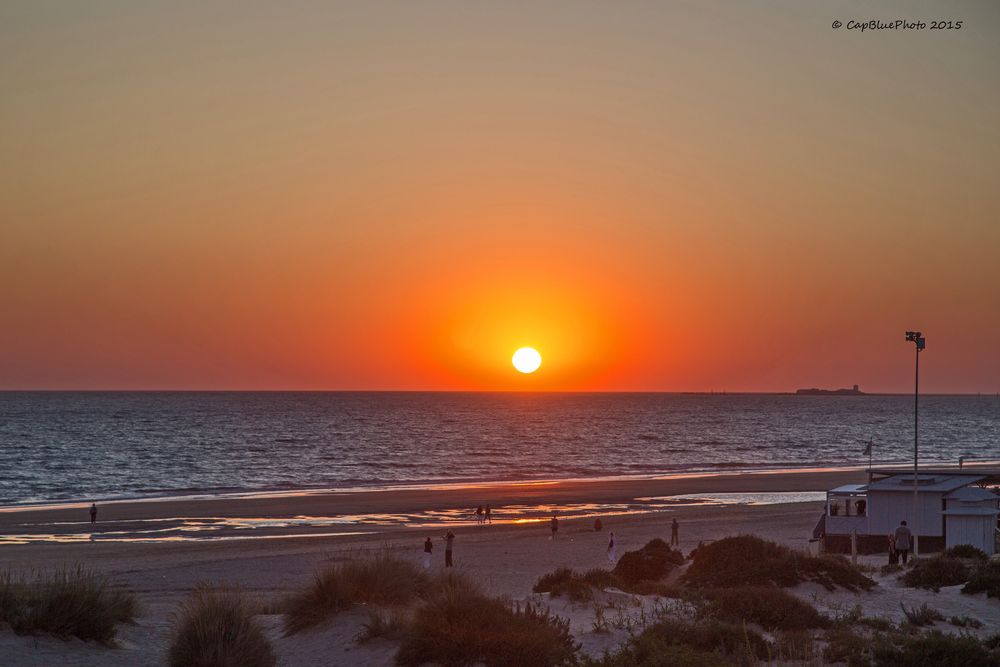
x,y
676,196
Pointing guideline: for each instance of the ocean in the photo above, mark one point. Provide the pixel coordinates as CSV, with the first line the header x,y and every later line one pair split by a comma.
x,y
79,446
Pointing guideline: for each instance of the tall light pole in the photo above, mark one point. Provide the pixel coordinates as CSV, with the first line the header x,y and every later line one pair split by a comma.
x,y
918,339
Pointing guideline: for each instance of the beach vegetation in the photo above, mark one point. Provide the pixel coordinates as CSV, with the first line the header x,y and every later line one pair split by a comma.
x,y
654,561
215,626
965,622
767,606
933,648
382,580
984,579
565,582
795,646
935,572
747,560
966,551
460,626
677,642
65,602
922,615
383,624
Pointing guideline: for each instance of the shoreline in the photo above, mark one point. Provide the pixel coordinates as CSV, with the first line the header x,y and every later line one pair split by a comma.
x,y
263,494
382,512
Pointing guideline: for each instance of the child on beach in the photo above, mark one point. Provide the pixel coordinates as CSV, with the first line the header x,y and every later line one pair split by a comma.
x,y
93,513
555,525
428,550
479,514
489,518
611,550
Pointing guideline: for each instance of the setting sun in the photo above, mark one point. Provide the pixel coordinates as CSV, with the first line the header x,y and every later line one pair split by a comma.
x,y
527,360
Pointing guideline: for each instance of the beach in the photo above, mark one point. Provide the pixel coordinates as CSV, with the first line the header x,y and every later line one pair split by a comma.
x,y
506,558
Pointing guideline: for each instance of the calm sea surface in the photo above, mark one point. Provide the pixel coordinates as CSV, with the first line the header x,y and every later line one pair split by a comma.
x,y
73,446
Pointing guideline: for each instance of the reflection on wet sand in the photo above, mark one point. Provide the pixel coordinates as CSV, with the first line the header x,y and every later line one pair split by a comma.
x,y
187,529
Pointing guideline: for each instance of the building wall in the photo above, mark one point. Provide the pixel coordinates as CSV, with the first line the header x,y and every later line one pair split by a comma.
x,y
974,530
888,508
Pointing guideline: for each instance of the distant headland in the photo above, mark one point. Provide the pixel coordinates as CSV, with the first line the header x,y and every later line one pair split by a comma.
x,y
853,391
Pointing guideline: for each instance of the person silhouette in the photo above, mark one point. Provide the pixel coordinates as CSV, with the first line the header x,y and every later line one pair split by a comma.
x,y
93,513
428,551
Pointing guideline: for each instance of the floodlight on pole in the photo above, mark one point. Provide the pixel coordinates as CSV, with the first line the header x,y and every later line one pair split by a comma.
x,y
919,343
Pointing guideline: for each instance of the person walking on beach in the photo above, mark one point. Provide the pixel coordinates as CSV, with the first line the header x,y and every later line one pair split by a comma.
x,y
449,542
611,549
479,514
674,526
904,538
555,525
428,551
93,513
489,517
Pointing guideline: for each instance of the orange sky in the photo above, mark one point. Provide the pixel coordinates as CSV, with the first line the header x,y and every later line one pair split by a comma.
x,y
686,196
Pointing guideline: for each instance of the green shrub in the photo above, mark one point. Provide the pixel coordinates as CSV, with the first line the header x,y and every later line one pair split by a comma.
x,y
459,626
383,580
67,602
965,622
382,625
845,646
796,646
966,551
655,653
985,579
215,627
933,573
922,615
599,578
747,560
565,581
769,607
672,642
934,648
653,561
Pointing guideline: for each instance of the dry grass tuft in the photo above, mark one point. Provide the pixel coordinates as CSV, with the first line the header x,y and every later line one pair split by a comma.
x,y
67,602
461,626
767,606
748,560
215,627
383,580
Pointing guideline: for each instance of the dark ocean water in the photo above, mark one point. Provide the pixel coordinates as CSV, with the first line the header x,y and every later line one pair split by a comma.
x,y
83,445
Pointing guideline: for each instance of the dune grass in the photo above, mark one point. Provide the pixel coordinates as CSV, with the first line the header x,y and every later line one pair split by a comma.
x,y
935,572
966,551
577,587
458,626
706,643
984,579
66,602
653,561
747,560
215,627
767,606
383,581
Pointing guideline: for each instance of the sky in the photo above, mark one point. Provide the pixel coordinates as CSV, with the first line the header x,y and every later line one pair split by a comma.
x,y
658,196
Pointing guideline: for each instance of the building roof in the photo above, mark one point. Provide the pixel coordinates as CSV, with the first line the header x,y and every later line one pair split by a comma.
x,y
971,511
990,472
850,488
972,494
927,482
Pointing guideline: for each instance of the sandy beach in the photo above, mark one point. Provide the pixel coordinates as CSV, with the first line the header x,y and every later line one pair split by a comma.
x,y
271,558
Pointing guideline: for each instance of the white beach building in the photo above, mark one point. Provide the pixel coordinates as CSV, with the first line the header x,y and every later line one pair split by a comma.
x,y
950,507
